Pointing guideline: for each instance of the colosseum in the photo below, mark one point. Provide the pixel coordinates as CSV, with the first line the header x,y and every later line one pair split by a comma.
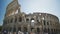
x,y
38,23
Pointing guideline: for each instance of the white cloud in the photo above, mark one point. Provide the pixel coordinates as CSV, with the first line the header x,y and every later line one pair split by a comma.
x,y
46,6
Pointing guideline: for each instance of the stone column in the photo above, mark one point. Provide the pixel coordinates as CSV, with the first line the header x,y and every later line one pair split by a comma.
x,y
21,28
16,28
13,24
28,28
35,29
17,24
42,24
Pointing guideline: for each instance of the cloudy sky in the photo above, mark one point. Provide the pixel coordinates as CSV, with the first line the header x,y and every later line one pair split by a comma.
x,y
30,6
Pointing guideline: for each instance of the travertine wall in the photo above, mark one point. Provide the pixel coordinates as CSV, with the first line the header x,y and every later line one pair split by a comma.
x,y
29,22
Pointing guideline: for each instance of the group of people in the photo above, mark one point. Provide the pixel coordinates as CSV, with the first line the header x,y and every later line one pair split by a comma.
x,y
19,32
5,32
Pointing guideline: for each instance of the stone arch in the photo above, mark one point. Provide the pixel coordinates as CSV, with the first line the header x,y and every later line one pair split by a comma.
x,y
32,18
25,29
14,29
11,20
32,29
19,28
38,29
27,19
15,19
10,29
20,19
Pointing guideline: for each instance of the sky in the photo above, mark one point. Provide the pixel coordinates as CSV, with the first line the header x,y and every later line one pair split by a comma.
x,y
30,6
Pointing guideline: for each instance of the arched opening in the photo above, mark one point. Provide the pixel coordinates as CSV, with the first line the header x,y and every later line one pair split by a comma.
x,y
25,29
10,29
32,29
38,29
20,19
32,22
11,20
14,29
48,31
19,28
27,20
15,19
45,30
44,22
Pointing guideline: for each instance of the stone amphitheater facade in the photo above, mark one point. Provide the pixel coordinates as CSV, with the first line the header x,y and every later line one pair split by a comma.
x,y
16,20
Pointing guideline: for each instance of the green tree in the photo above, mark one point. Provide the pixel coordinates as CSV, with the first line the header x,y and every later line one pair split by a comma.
x,y
0,28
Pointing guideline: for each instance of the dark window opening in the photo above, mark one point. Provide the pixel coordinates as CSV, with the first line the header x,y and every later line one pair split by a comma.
x,y
32,18
48,30
38,29
38,21
44,22
14,29
10,29
25,29
32,29
45,30
20,19
51,30
15,19
11,20
19,28
47,23
54,30
7,21
27,20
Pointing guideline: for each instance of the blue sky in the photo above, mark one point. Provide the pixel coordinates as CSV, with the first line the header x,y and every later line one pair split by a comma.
x,y
30,6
